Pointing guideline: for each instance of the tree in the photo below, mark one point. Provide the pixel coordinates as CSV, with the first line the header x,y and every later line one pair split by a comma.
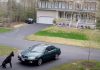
x,y
98,16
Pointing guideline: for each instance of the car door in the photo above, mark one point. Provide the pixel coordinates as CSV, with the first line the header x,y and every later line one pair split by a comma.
x,y
52,51
47,54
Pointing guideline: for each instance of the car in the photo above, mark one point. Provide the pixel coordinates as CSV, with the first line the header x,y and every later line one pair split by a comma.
x,y
39,53
30,21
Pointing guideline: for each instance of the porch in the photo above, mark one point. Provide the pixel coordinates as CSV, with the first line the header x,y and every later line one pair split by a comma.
x,y
75,19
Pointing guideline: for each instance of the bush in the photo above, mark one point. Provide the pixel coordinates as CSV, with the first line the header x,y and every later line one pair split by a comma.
x,y
98,23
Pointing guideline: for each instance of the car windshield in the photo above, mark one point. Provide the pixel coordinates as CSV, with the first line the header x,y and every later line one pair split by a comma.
x,y
38,49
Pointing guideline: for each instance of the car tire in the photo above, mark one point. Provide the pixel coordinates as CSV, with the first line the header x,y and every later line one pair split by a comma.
x,y
56,56
39,62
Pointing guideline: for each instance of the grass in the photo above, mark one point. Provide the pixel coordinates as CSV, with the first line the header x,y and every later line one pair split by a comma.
x,y
2,30
63,33
68,36
80,65
5,50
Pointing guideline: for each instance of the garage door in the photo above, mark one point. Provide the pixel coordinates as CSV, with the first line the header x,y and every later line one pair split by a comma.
x,y
45,20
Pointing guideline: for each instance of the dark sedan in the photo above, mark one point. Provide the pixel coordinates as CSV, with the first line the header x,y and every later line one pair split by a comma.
x,y
39,53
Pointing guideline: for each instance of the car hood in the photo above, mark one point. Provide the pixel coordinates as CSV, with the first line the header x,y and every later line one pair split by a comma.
x,y
30,54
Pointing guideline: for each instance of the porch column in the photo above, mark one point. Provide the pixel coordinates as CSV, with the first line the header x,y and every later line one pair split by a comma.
x,y
64,15
71,19
57,14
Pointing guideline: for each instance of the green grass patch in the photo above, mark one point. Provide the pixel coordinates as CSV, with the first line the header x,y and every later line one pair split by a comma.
x,y
2,30
5,50
81,65
68,36
62,34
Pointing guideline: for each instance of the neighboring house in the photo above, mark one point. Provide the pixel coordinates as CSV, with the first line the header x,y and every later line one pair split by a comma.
x,y
77,12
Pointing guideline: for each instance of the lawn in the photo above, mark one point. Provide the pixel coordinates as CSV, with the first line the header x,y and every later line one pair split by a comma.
x,y
68,36
5,50
2,30
80,65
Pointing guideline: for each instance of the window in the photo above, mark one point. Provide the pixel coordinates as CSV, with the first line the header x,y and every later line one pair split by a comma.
x,y
39,4
49,4
52,4
78,6
37,49
60,4
86,6
93,6
46,4
43,4
70,5
50,48
66,5
56,4
63,5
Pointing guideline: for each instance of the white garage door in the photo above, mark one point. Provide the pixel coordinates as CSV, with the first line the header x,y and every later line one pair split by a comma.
x,y
45,20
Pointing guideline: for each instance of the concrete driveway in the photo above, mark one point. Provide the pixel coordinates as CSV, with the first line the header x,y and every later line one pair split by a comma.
x,y
69,53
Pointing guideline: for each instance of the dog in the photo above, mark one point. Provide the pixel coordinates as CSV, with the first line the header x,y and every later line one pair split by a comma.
x,y
8,60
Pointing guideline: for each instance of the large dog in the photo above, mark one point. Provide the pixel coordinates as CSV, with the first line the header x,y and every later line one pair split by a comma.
x,y
8,60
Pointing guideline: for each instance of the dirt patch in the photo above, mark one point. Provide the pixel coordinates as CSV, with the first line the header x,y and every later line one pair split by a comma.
x,y
18,25
12,25
88,64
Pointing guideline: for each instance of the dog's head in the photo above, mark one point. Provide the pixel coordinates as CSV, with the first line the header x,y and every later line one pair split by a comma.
x,y
12,54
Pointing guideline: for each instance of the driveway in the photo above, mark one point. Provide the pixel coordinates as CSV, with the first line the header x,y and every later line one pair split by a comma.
x,y
69,53
25,30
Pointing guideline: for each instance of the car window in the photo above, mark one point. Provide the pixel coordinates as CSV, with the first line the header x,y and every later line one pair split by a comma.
x,y
38,49
50,48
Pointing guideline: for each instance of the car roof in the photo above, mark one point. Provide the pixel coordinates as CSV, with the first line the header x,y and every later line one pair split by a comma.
x,y
43,45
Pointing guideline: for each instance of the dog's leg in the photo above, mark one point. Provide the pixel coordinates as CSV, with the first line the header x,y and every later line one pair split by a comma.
x,y
10,64
3,66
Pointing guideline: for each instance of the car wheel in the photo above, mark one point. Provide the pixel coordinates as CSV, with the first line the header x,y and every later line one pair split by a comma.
x,y
56,56
39,62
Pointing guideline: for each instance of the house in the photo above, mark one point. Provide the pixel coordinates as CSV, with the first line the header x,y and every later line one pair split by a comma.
x,y
76,12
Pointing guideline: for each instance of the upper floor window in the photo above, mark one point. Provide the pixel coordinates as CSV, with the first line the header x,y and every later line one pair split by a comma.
x,y
85,6
46,4
43,4
60,4
78,6
49,5
39,4
63,5
93,6
67,5
56,4
70,5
